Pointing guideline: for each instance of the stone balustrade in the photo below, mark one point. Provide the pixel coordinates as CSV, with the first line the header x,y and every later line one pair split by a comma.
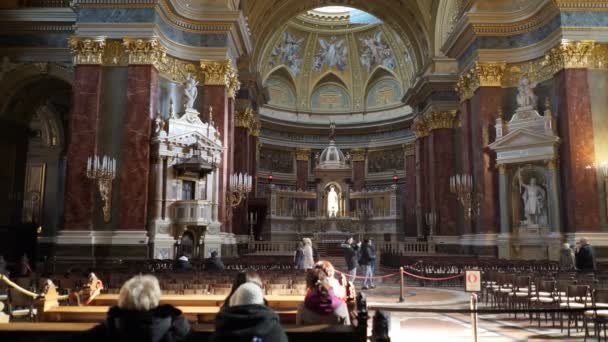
x,y
194,212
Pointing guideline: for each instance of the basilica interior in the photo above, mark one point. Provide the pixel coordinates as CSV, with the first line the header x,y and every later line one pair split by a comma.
x,y
455,134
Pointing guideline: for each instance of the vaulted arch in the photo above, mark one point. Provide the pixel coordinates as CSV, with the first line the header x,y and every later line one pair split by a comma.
x,y
281,88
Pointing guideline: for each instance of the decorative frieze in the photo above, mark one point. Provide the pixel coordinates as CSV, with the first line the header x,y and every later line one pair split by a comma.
x,y
357,154
87,50
144,51
303,154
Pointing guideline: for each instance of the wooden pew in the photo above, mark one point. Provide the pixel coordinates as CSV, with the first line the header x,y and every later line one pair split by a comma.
x,y
275,302
27,332
202,314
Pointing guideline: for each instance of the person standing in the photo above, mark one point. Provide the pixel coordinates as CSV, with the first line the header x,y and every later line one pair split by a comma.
x,y
566,258
368,259
351,256
585,258
309,261
298,258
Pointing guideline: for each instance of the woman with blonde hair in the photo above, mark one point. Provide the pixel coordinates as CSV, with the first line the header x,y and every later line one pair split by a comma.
x,y
309,261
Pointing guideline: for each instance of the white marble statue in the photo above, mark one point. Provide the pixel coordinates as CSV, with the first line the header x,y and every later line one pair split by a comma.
x,y
534,197
190,92
332,202
525,94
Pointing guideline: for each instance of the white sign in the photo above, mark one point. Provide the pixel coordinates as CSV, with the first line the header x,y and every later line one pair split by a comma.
x,y
472,281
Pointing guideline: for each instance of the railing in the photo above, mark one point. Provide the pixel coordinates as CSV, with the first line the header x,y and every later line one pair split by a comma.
x,y
44,3
195,212
405,248
272,247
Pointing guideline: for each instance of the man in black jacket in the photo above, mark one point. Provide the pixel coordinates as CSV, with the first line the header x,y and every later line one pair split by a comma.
x,y
215,263
368,259
585,258
351,256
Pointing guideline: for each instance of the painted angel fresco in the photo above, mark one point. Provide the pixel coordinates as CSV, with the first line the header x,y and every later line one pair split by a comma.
x,y
376,52
332,53
288,53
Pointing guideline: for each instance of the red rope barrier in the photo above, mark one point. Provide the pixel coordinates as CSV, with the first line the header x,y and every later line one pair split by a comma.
x,y
434,279
363,277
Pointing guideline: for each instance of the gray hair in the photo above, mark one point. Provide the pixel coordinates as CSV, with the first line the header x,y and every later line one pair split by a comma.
x,y
140,293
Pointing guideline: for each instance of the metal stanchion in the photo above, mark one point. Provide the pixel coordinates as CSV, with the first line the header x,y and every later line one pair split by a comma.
x,y
401,285
474,315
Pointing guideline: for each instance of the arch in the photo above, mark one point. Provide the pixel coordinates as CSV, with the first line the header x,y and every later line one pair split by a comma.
x,y
330,97
281,88
444,22
330,77
382,89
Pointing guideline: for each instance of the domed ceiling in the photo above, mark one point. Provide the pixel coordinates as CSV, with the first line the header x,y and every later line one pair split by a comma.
x,y
336,64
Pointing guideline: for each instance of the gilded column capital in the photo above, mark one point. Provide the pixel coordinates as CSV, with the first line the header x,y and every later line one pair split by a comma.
x,y
144,51
244,118
87,50
421,127
233,84
553,164
444,119
409,149
571,54
255,128
490,73
467,83
357,154
502,169
216,72
303,154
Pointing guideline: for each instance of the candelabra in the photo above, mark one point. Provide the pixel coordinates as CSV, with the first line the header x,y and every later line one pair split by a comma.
x,y
299,212
103,170
239,185
252,220
461,185
431,222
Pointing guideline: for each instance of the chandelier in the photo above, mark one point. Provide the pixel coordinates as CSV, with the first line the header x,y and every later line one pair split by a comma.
x,y
239,185
103,170
461,185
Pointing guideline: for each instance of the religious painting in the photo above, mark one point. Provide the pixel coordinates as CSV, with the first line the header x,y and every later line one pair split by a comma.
x,y
376,51
288,52
383,93
332,53
281,93
330,97
276,160
385,160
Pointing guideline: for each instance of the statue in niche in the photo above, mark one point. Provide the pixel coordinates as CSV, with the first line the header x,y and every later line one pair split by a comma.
x,y
534,199
525,94
332,202
190,92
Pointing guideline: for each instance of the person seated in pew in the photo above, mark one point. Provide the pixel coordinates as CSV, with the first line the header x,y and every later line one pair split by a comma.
x,y
183,264
339,286
240,279
139,317
88,292
247,318
214,263
321,305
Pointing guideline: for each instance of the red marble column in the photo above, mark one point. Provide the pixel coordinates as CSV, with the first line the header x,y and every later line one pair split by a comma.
x,y
409,208
466,153
142,93
216,96
82,144
253,157
485,103
443,167
242,150
358,169
579,188
302,157
422,181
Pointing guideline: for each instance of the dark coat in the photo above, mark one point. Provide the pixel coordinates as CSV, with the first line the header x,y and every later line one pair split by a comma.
x,y
351,255
368,254
298,259
585,258
244,322
183,265
215,264
162,324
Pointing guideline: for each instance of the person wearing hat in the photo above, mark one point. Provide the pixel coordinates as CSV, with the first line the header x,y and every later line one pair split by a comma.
x,y
247,318
183,264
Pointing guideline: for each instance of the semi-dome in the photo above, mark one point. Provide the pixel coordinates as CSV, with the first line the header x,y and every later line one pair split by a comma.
x,y
332,157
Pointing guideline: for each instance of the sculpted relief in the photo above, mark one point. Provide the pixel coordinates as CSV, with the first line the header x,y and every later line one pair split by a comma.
x,y
385,161
276,161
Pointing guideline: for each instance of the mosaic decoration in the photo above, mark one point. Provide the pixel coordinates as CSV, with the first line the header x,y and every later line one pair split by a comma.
x,y
288,53
376,52
330,97
332,52
384,93
385,160
281,94
276,161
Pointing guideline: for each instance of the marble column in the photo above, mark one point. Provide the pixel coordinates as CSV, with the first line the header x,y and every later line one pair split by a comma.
x,y
421,130
241,165
409,202
358,163
577,152
505,200
302,157
554,196
84,119
142,96
466,154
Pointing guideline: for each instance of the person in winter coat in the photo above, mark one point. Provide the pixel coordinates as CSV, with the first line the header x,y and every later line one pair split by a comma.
x,y
240,279
183,264
330,272
368,260
585,257
351,256
309,261
298,258
566,258
247,318
214,263
321,305
139,317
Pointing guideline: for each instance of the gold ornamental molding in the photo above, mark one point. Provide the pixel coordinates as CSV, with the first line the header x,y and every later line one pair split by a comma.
x,y
490,74
303,154
571,54
357,154
421,127
144,51
221,73
409,149
247,119
87,50
444,119
502,169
